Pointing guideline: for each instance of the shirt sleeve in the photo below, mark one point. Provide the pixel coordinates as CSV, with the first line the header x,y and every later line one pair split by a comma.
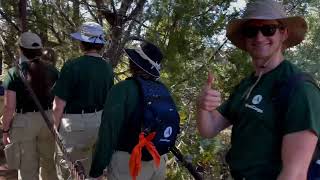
x,y
112,120
9,81
64,86
303,110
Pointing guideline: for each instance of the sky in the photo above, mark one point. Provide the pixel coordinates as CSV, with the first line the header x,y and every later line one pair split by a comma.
x,y
238,5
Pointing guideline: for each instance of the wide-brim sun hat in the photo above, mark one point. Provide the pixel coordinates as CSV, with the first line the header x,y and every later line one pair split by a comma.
x,y
148,57
267,10
30,40
90,32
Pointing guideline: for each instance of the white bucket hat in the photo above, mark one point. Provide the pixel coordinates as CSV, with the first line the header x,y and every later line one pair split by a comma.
x,y
30,40
90,32
267,10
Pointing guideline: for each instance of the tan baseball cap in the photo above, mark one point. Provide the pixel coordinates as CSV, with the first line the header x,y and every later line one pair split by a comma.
x,y
30,40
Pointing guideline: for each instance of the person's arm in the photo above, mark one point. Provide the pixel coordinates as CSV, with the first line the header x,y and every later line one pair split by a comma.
x,y
296,153
58,108
209,121
115,111
301,128
62,89
9,109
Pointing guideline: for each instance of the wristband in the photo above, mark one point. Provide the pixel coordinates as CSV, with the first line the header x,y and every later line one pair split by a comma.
x,y
5,131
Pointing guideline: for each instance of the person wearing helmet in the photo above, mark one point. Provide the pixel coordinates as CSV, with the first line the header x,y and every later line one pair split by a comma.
x,y
80,93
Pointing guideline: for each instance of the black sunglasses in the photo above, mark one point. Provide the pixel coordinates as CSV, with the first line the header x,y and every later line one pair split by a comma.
x,y
266,30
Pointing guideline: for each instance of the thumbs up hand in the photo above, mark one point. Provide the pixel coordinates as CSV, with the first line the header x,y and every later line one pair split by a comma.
x,y
209,98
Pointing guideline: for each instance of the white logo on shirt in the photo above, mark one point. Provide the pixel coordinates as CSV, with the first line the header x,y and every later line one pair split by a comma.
x,y
167,133
257,99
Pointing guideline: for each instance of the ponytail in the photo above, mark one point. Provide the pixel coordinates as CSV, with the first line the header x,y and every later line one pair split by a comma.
x,y
37,75
38,78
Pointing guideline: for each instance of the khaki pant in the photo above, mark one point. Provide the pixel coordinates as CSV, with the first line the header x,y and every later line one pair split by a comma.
x,y
36,146
118,168
79,134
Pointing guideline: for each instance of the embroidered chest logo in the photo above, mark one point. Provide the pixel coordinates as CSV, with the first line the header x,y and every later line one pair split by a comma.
x,y
167,133
255,101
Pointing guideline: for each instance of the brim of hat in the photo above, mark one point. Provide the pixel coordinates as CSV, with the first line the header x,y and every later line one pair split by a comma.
x,y
141,63
81,37
296,25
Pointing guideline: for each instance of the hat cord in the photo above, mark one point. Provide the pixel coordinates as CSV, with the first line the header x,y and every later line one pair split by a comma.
x,y
144,56
257,81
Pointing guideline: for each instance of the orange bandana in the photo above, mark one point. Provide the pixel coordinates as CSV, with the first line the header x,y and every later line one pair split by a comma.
x,y
136,154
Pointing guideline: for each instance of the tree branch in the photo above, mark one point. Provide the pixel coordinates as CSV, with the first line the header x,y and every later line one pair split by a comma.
x,y
56,34
87,6
64,15
113,7
23,15
137,9
9,20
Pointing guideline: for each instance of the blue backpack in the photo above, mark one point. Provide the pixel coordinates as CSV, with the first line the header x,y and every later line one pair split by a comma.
x,y
159,114
281,101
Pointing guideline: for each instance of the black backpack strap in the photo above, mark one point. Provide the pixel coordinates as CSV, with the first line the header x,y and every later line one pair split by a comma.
x,y
284,89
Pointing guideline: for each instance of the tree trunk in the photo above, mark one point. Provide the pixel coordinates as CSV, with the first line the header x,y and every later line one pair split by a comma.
x,y
76,12
99,4
23,15
117,21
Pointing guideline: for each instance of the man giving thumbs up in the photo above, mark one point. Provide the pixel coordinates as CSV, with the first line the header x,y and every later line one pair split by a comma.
x,y
209,121
268,141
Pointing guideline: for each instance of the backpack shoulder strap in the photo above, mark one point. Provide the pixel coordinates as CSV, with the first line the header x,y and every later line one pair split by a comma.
x,y
286,88
283,93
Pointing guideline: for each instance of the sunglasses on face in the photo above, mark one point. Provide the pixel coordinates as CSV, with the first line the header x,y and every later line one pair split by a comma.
x,y
266,30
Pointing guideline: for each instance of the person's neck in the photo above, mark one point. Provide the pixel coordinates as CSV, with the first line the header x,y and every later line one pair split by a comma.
x,y
267,65
93,53
23,58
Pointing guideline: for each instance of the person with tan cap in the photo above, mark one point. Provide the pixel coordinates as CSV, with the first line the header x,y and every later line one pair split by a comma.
x,y
266,144
80,94
29,143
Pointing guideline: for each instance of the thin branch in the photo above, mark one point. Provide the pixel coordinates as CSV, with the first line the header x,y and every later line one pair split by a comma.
x,y
137,9
9,53
87,5
9,20
201,67
56,34
113,7
206,12
123,72
64,15
125,4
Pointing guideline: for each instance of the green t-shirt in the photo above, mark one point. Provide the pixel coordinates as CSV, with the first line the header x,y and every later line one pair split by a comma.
x,y
119,107
84,83
24,102
256,141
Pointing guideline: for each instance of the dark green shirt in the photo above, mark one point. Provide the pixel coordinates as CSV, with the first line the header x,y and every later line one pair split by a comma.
x,y
84,83
120,106
256,142
24,102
